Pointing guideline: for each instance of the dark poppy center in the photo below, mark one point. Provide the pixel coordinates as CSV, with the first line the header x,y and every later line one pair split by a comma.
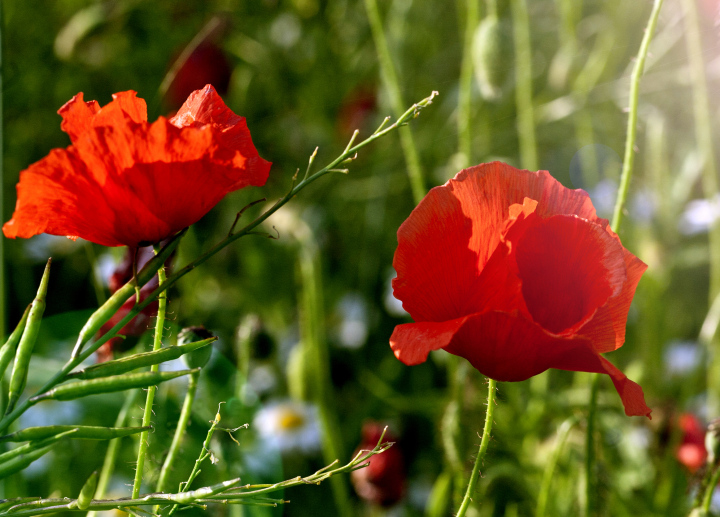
x,y
569,267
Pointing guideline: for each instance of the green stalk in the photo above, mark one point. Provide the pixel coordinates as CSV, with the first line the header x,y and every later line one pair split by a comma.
x,y
704,135
627,171
179,431
147,415
466,78
484,444
113,447
83,353
629,159
523,85
315,342
709,490
544,493
392,85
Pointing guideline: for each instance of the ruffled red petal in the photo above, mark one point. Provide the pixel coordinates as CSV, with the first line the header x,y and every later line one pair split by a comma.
x,y
77,116
450,236
569,268
127,182
508,347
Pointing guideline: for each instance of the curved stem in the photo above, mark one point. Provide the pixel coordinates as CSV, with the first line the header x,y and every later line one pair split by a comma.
x,y
625,177
179,431
710,489
523,86
544,493
113,448
466,78
147,415
392,85
629,159
347,155
484,444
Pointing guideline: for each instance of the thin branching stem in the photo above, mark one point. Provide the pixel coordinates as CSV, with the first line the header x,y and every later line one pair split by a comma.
x,y
60,376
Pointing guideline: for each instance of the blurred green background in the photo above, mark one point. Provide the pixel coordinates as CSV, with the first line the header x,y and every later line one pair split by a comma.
x,y
305,73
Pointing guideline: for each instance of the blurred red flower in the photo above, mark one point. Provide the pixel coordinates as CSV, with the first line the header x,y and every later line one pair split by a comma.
x,y
517,274
206,64
691,452
382,482
125,181
137,326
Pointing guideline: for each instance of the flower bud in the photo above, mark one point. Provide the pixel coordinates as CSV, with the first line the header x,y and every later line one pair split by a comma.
x,y
197,358
491,56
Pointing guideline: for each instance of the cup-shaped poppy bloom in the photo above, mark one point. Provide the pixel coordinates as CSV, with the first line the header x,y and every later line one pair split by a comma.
x,y
125,181
517,274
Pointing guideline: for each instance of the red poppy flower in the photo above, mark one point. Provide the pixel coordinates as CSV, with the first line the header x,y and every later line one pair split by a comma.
x,y
382,482
125,181
517,274
691,452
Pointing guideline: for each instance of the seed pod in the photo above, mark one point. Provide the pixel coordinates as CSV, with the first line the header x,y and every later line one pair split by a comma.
x,y
31,446
111,384
119,297
27,342
491,56
86,432
22,461
7,352
127,364
87,492
199,358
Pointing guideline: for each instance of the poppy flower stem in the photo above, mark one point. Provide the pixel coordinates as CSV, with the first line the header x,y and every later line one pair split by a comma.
x,y
104,313
147,415
627,171
484,444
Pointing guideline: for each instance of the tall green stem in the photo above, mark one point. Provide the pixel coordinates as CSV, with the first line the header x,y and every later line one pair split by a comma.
x,y
629,158
484,444
523,85
313,337
179,431
472,15
392,85
147,415
625,178
113,448
704,134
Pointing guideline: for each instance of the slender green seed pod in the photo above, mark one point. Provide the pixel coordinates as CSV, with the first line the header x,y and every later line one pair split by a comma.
x,y
86,432
87,492
7,352
110,384
27,342
119,297
127,364
22,461
31,446
189,497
